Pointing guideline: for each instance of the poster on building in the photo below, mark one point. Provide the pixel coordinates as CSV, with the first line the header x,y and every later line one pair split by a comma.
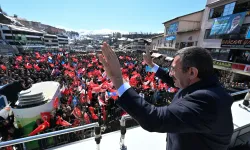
x,y
248,33
230,24
173,28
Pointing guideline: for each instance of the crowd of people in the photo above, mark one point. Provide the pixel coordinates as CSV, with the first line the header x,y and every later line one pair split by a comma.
x,y
225,78
87,95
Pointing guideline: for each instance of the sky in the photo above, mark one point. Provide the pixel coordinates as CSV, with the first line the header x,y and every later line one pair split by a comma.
x,y
103,15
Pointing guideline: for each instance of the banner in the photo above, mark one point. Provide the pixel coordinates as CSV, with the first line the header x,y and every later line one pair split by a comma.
x,y
239,43
222,64
173,28
238,66
171,38
248,33
247,68
230,24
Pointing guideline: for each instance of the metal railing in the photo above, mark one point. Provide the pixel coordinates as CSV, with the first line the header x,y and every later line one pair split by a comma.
x,y
55,133
240,92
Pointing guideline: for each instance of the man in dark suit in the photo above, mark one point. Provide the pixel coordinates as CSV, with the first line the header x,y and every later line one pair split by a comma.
x,y
235,25
199,117
11,90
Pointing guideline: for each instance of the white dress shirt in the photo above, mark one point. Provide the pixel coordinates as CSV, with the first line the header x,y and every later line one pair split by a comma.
x,y
123,88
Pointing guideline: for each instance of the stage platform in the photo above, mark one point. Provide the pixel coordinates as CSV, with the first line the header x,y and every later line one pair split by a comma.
x,y
135,139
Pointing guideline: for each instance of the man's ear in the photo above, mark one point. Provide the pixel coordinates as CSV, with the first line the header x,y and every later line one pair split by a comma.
x,y
193,73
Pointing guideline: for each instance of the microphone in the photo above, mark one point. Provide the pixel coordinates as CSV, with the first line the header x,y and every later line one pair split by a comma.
x,y
246,103
123,132
98,136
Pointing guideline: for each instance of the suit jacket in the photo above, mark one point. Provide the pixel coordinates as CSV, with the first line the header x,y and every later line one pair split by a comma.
x,y
199,117
11,91
235,30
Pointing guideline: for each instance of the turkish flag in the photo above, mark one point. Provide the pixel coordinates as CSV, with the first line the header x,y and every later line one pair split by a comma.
x,y
40,128
62,122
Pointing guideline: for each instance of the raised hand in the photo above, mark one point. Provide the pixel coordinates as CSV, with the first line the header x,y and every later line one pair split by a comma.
x,y
147,59
111,65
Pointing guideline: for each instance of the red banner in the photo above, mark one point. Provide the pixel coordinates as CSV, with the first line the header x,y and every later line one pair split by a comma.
x,y
238,66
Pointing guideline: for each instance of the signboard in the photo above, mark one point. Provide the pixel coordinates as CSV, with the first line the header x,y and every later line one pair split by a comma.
x,y
247,68
240,43
230,24
222,64
170,38
238,66
173,28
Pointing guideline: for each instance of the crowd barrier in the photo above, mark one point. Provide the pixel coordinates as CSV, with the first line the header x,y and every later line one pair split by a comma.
x,y
67,135
64,135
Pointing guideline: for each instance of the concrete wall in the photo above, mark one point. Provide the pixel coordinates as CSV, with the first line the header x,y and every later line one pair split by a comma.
x,y
157,42
185,37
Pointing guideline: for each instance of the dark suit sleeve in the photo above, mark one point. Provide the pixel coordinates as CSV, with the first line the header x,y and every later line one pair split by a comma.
x,y
191,115
164,76
11,90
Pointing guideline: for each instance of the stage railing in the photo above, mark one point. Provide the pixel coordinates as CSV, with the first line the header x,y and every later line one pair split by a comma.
x,y
55,133
237,96
240,92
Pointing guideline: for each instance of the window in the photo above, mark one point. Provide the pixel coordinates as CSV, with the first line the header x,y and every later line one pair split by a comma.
x,y
242,7
207,35
243,30
8,37
229,8
167,28
6,31
190,44
177,45
214,52
224,53
182,45
216,12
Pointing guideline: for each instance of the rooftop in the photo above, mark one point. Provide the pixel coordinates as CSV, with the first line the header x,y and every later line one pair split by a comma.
x,y
182,16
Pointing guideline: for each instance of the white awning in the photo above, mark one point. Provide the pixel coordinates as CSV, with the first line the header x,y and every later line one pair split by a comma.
x,y
169,58
156,55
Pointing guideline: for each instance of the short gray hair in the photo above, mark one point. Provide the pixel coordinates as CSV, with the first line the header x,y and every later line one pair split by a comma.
x,y
197,57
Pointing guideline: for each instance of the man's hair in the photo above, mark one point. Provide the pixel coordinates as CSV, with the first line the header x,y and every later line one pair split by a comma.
x,y
197,57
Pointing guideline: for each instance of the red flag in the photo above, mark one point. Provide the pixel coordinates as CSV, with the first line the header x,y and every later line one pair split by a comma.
x,y
62,122
45,116
56,103
86,118
104,114
19,58
3,67
37,67
37,55
93,115
77,112
76,123
28,66
40,128
75,60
